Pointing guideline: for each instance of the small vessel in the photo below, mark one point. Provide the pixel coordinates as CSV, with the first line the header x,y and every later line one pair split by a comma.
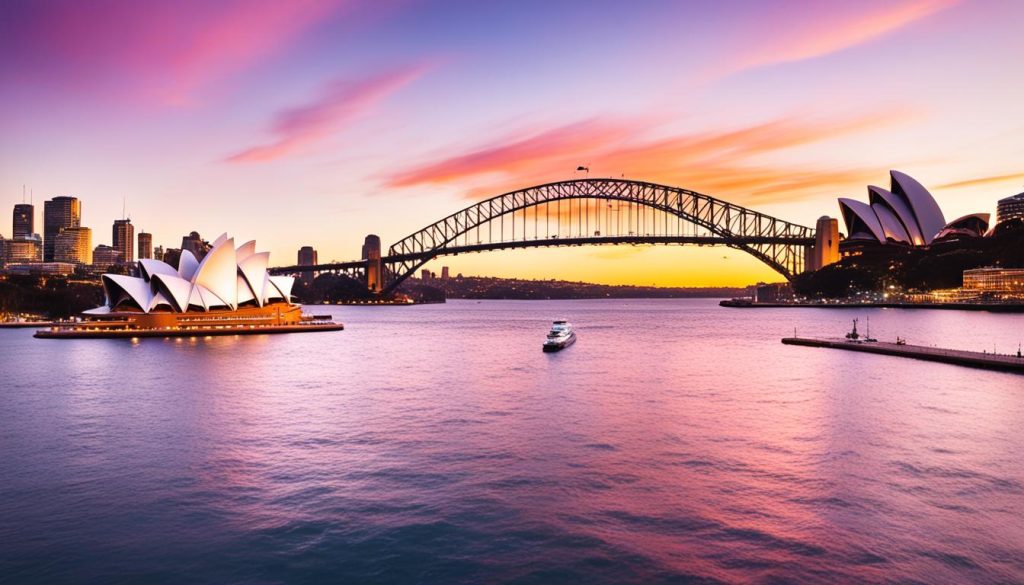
x,y
560,337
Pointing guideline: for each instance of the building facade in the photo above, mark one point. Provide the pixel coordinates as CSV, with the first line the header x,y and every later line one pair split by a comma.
x,y
123,238
59,214
104,256
145,246
194,243
24,220
74,245
1010,208
23,250
995,280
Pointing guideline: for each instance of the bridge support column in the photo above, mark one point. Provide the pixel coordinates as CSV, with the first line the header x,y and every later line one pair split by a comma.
x,y
374,264
826,245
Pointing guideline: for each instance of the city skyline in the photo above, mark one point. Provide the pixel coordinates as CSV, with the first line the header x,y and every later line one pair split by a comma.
x,y
358,119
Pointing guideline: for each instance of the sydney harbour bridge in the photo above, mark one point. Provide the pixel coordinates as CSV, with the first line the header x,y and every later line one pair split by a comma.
x,y
576,213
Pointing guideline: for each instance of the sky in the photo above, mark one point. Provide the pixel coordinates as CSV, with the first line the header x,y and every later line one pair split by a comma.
x,y
316,122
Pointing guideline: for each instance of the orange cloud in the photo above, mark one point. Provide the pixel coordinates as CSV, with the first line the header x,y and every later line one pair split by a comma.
x,y
517,154
817,38
340,102
720,162
984,181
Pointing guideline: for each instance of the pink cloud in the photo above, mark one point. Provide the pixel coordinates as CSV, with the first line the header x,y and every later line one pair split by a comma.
x,y
340,102
155,51
799,39
516,154
723,162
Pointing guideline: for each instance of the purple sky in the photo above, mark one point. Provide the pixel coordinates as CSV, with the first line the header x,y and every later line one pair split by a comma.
x,y
318,121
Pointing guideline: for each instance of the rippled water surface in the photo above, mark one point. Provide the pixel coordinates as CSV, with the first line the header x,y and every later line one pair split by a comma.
x,y
675,442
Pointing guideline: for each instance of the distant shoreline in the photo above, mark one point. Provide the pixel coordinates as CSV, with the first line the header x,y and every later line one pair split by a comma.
x,y
993,308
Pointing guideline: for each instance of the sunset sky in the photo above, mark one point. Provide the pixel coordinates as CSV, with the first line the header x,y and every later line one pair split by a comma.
x,y
319,121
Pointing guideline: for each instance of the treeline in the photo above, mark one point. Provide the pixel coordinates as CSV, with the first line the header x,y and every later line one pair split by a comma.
x,y
57,298
939,267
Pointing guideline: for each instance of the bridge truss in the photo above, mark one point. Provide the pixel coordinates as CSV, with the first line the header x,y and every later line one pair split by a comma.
x,y
588,212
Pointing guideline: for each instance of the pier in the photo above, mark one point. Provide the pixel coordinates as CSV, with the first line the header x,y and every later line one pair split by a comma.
x,y
974,359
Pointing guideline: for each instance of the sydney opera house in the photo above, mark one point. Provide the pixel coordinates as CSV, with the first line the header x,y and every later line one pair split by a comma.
x,y
906,214
228,292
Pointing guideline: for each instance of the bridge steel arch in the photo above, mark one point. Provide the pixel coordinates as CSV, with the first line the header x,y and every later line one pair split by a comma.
x,y
779,244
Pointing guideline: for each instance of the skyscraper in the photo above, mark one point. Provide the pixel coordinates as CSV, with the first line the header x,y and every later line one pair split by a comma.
x,y
59,213
124,239
444,273
145,245
74,244
24,220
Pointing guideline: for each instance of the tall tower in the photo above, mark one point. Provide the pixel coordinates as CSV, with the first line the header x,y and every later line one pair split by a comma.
x,y
145,245
124,239
59,213
24,220
374,264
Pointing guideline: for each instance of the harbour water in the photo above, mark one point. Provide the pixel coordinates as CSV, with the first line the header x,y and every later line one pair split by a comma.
x,y
676,441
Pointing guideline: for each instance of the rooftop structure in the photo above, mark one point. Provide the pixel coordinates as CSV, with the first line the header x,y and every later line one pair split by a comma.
x,y
905,214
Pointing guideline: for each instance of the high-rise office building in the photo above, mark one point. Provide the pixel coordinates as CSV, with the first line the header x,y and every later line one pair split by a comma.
x,y
59,213
104,256
145,246
158,253
124,239
24,220
444,273
74,245
1010,208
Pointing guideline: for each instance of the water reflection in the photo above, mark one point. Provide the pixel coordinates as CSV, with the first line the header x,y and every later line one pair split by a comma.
x,y
675,439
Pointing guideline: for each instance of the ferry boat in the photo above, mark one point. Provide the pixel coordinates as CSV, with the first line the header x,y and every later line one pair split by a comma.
x,y
560,337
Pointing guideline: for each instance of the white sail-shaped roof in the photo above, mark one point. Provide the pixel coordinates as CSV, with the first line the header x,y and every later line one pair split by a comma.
x,y
225,278
177,289
254,270
217,273
187,265
148,267
861,221
926,210
891,225
120,289
878,195
245,250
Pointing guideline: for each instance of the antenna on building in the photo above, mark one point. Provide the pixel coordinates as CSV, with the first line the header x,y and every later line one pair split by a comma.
x,y
124,204
23,192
